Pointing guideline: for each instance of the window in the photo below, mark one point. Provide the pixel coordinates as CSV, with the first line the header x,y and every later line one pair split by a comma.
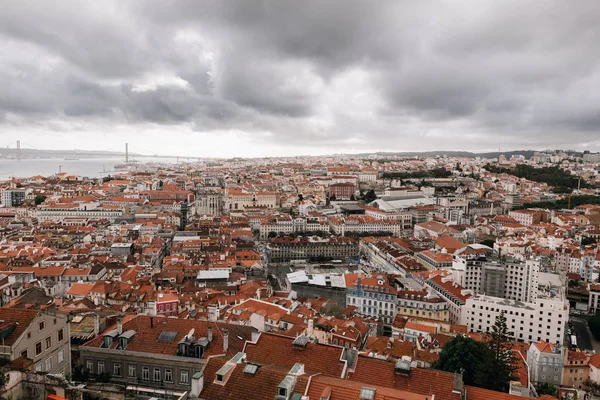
x,y
132,371
100,367
48,342
145,373
38,348
90,365
156,374
42,325
48,364
39,367
184,377
24,353
61,356
117,369
168,375
61,335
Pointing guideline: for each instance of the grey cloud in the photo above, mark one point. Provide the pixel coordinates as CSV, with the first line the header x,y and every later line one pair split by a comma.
x,y
526,71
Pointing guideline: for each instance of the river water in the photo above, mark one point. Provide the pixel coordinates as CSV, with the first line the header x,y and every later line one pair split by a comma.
x,y
85,167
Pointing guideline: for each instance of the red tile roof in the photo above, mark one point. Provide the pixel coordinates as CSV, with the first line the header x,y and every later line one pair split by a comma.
x,y
277,350
16,319
146,336
240,385
475,393
423,381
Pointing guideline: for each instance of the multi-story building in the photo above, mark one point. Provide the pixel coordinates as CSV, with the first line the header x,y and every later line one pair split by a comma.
x,y
342,191
543,319
527,217
372,296
364,224
12,197
64,211
209,201
452,293
404,217
576,369
507,278
160,355
238,199
433,259
287,225
311,247
594,298
41,336
545,362
423,304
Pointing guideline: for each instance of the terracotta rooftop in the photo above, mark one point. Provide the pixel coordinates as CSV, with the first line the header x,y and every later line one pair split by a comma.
x,y
277,350
422,381
18,320
148,330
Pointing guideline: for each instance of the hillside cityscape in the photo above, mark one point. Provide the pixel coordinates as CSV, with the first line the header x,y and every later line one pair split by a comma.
x,y
337,277
299,200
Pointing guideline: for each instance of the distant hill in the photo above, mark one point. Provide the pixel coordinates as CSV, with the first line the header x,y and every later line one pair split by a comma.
x,y
450,153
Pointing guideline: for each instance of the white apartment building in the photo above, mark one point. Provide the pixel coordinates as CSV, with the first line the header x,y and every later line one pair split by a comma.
x,y
594,298
543,319
364,224
404,217
511,279
525,217
367,176
58,213
454,295
287,225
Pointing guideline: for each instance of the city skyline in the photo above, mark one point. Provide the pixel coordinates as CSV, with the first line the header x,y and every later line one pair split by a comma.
x,y
261,79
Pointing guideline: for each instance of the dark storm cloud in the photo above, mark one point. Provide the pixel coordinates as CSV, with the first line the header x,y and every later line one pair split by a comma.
x,y
340,74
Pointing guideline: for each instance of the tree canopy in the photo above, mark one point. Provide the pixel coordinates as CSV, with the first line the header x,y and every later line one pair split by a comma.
x,y
489,365
560,179
433,173
495,371
462,354
39,199
547,388
594,324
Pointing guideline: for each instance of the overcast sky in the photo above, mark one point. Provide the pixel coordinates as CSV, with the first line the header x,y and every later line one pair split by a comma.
x,y
258,78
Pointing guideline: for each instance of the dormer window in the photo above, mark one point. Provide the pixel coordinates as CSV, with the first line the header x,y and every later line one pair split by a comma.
x,y
182,349
219,378
282,392
122,344
107,341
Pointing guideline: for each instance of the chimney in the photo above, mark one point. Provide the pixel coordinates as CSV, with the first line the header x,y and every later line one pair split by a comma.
x,y
96,324
210,333
310,327
119,325
197,384
225,341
